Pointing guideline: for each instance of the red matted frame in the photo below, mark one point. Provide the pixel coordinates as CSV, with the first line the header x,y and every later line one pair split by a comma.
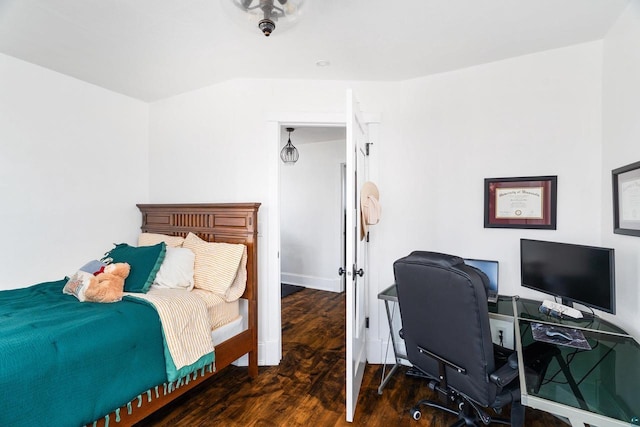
x,y
524,202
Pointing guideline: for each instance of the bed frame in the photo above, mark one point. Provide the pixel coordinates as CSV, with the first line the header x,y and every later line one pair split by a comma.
x,y
223,222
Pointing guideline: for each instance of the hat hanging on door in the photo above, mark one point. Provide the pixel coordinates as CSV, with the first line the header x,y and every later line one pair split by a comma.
x,y
369,207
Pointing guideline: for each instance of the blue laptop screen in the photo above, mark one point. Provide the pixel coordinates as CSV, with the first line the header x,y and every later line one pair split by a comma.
x,y
490,268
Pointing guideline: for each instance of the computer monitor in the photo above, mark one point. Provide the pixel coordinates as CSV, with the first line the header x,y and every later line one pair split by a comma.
x,y
490,268
575,273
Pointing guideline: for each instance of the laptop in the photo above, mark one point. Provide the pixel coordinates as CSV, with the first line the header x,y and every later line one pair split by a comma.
x,y
490,268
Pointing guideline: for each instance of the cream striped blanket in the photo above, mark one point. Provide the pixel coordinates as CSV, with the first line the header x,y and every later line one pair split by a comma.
x,y
186,329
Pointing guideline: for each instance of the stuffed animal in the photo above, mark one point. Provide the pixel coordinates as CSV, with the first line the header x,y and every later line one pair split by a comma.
x,y
108,285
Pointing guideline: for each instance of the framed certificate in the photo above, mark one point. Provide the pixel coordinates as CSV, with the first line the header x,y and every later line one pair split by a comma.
x,y
525,202
626,199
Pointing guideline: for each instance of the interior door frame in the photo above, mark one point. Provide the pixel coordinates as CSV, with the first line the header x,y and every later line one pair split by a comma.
x,y
273,331
270,345
343,222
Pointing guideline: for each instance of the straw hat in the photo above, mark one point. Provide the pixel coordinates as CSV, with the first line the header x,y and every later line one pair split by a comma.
x,y
369,207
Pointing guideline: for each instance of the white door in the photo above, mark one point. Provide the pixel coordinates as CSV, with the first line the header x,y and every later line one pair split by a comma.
x,y
355,262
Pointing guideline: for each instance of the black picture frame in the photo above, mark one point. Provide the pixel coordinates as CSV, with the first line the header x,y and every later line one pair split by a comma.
x,y
521,202
626,199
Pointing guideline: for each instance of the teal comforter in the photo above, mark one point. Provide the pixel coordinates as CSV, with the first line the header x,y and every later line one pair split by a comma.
x,y
66,363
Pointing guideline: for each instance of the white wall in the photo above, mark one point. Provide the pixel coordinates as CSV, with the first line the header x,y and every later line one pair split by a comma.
x,y
73,164
440,136
621,136
310,218
528,116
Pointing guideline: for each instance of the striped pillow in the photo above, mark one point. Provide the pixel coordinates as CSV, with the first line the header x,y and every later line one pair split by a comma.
x,y
216,264
236,290
150,239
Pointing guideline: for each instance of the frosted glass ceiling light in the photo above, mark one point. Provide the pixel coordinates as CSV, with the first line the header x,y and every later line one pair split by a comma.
x,y
289,153
267,13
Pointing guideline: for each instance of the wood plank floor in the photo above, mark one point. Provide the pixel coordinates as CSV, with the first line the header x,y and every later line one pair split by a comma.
x,y
307,388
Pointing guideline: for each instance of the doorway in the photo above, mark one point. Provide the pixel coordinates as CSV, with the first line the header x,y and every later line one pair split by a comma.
x,y
311,208
271,349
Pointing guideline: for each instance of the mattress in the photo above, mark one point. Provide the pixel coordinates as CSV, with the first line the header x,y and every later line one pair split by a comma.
x,y
234,327
219,311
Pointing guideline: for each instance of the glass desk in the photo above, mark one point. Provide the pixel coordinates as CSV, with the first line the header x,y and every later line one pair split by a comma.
x,y
596,387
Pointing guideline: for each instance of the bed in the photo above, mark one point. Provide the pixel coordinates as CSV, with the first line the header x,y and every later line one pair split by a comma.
x,y
222,223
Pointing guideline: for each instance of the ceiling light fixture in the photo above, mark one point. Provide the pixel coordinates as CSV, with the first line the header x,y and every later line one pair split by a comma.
x,y
289,154
269,12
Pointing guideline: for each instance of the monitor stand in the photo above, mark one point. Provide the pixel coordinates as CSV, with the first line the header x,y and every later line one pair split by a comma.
x,y
585,314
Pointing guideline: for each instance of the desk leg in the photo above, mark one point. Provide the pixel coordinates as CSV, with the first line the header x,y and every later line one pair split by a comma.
x,y
572,382
385,379
576,422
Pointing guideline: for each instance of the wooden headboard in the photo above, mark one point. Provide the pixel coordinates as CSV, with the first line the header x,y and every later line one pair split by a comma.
x,y
213,222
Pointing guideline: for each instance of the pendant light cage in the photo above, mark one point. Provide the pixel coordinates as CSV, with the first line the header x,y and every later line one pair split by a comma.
x,y
289,154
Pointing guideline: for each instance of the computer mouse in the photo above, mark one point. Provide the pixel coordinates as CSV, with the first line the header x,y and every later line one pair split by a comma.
x,y
559,334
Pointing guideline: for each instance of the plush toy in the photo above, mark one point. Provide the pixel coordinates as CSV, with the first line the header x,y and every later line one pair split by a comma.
x,y
107,286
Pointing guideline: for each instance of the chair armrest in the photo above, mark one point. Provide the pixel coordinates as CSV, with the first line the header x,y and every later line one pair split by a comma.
x,y
507,372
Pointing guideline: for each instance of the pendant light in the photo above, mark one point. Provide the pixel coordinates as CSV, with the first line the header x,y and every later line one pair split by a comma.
x,y
289,154
265,14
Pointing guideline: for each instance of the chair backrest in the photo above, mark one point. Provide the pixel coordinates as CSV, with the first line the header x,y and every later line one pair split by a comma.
x,y
444,310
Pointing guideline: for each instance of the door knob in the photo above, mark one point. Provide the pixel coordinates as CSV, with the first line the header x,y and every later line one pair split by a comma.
x,y
341,271
358,272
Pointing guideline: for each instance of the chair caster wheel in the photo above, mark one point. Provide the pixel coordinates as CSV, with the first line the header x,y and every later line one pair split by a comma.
x,y
415,413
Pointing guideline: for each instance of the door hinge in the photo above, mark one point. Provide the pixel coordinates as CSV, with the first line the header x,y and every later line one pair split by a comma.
x,y
366,322
366,147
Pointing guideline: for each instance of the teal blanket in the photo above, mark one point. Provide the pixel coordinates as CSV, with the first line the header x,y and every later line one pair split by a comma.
x,y
66,363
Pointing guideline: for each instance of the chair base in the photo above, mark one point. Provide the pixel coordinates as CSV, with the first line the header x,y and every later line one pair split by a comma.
x,y
468,414
417,373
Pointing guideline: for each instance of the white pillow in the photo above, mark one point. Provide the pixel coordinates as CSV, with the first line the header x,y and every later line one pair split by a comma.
x,y
176,271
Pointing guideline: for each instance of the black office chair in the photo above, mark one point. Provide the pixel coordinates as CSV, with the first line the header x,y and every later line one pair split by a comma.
x,y
445,326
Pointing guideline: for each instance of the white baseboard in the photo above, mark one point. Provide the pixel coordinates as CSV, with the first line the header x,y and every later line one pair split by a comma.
x,y
312,282
268,355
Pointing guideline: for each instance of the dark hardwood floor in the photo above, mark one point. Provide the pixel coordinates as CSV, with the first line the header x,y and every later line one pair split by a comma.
x,y
308,387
